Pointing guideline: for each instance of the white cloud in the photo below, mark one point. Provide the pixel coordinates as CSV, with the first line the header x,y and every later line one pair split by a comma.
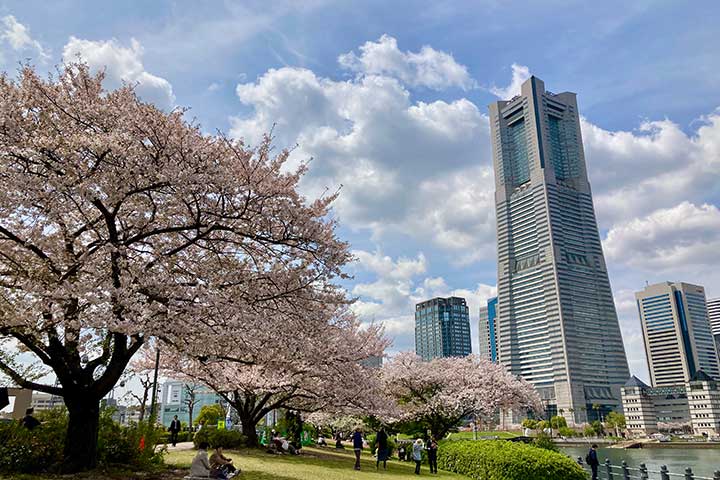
x,y
427,68
520,73
417,168
658,166
684,237
121,64
17,36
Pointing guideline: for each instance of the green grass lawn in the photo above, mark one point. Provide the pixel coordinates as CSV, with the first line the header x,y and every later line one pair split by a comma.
x,y
470,435
325,464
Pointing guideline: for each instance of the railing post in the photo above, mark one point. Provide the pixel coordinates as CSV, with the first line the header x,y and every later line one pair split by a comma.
x,y
580,461
688,474
643,472
716,476
609,469
626,472
664,475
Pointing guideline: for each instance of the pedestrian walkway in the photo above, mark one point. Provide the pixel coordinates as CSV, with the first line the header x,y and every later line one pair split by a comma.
x,y
180,447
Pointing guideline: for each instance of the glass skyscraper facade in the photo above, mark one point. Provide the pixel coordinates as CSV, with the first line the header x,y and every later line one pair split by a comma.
x,y
442,328
486,330
713,306
556,323
676,331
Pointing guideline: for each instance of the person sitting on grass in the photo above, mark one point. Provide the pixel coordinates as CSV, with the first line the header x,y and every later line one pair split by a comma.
x,y
218,461
200,466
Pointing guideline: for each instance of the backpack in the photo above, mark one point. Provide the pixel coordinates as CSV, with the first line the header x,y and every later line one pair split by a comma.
x,y
588,458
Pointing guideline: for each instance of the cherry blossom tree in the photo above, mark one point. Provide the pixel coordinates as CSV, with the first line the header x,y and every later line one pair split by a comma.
x,y
306,362
119,223
438,394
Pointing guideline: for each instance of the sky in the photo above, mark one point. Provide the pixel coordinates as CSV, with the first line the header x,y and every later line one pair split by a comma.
x,y
388,101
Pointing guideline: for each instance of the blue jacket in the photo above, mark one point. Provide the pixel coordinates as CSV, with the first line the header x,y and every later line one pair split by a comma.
x,y
357,440
592,457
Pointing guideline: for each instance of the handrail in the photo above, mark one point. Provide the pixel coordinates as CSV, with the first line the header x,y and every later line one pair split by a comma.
x,y
624,472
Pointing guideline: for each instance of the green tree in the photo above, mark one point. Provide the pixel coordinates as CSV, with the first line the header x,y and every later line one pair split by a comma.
x,y
597,427
530,423
615,421
558,422
543,440
210,414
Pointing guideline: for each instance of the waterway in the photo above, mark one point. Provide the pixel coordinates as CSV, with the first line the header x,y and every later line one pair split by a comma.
x,y
703,461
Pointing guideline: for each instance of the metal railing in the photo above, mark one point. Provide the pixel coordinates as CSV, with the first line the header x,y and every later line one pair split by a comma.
x,y
607,471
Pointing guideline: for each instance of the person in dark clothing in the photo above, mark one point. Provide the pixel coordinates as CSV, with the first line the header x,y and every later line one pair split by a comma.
x,y
381,444
338,441
592,460
401,453
432,449
174,430
28,420
357,446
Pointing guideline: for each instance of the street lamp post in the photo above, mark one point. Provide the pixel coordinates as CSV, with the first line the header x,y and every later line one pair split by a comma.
x,y
154,390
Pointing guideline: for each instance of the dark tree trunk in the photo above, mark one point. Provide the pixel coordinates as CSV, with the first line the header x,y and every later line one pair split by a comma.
x,y
82,434
248,429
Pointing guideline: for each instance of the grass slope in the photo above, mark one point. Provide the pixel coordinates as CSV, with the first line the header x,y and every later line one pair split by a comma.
x,y
469,435
325,464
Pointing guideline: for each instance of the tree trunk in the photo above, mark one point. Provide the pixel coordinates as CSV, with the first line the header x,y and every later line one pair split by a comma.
x,y
248,429
82,433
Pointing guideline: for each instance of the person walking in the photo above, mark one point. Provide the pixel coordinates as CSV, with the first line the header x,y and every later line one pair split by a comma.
x,y
417,454
174,430
592,459
432,449
381,444
357,441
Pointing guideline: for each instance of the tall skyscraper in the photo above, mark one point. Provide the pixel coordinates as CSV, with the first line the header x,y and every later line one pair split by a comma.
x,y
713,306
676,330
556,326
486,330
442,328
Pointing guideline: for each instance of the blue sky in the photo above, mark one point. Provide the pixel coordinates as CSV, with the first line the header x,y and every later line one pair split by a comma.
x,y
390,100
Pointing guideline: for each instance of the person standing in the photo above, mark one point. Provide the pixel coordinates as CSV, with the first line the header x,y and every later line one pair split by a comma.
x,y
432,450
381,444
28,420
174,430
357,441
417,454
592,460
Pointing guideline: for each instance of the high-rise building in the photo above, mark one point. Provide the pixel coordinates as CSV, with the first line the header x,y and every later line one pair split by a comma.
x,y
713,306
676,331
556,326
442,328
177,396
486,330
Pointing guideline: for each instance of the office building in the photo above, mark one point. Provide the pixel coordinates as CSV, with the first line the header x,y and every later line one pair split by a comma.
x,y
713,306
556,325
486,330
676,332
45,401
442,328
176,399
693,405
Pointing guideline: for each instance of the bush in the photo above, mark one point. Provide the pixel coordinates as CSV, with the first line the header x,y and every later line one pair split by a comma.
x,y
184,436
544,441
25,451
392,447
567,432
220,438
501,460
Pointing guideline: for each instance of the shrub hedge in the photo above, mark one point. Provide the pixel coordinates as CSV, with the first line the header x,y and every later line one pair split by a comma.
x,y
220,438
41,450
502,460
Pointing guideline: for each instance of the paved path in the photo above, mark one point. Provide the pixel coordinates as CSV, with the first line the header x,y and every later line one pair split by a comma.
x,y
180,446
